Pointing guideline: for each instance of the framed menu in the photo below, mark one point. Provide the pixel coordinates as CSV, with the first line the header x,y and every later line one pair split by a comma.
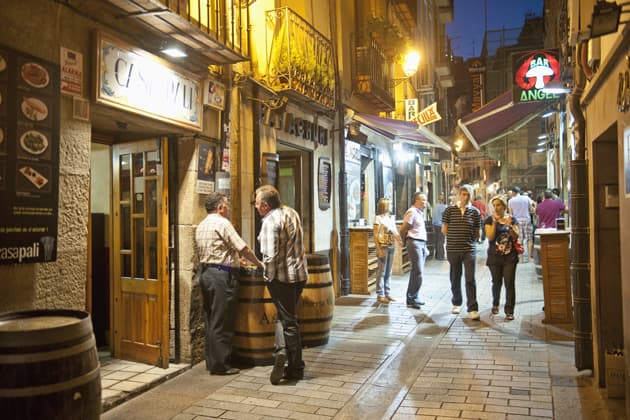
x,y
324,187
29,158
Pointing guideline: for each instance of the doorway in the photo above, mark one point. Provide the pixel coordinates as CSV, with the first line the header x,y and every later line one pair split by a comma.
x,y
294,186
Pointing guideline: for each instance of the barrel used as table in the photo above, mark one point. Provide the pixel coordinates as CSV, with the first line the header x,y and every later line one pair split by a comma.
x,y
256,315
49,366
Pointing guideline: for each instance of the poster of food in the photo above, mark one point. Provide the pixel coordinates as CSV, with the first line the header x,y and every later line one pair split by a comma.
x,y
29,158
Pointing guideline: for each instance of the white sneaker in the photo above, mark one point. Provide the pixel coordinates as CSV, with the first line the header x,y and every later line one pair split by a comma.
x,y
474,315
455,309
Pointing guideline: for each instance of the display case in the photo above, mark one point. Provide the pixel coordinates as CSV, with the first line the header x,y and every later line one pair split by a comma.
x,y
363,260
401,264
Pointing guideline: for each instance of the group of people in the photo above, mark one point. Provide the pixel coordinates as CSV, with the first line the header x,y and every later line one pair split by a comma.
x,y
220,252
461,225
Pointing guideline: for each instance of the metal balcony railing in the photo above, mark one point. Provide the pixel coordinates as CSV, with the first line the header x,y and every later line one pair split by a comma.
x,y
300,59
222,20
373,80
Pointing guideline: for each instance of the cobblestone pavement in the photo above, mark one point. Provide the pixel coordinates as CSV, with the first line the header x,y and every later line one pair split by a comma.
x,y
390,361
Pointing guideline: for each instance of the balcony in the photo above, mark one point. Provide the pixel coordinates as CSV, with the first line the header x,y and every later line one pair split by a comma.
x,y
372,78
300,61
214,28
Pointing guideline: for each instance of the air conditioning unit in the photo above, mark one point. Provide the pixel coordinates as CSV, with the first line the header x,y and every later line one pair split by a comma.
x,y
214,94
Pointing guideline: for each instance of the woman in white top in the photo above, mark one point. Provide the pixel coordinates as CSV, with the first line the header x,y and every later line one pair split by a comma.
x,y
385,233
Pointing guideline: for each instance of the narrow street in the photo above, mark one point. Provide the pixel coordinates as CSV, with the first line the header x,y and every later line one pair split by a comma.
x,y
390,361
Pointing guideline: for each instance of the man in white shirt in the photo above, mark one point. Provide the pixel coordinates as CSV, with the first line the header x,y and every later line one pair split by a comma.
x,y
415,232
520,206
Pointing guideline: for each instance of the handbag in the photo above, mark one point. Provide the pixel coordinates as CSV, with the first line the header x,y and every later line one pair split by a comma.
x,y
518,247
383,237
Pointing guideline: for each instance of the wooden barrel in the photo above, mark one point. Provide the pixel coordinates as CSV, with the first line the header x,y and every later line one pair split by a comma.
x,y
49,366
255,321
315,308
253,341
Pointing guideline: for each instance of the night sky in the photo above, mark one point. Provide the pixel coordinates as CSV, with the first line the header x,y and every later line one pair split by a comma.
x,y
467,29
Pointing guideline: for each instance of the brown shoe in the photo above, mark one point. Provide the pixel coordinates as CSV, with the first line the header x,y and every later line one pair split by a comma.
x,y
495,310
382,299
509,317
391,299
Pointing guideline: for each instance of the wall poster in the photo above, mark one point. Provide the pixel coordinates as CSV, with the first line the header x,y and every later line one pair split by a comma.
x,y
324,188
269,169
206,164
29,158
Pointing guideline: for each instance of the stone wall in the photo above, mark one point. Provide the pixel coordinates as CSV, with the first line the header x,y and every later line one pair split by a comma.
x,y
39,27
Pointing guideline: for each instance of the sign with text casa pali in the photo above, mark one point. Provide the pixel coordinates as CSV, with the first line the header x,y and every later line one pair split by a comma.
x,y
29,158
428,115
532,71
137,81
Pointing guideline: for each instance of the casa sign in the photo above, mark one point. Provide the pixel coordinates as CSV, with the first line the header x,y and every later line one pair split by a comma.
x,y
533,71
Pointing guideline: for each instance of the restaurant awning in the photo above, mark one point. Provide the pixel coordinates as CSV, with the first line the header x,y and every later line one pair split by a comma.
x,y
497,118
403,131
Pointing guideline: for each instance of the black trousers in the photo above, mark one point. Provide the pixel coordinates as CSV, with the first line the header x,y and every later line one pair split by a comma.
x,y
220,296
287,336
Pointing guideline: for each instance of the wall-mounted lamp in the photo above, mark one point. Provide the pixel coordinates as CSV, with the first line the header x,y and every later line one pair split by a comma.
x,y
458,144
410,67
175,52
605,18
557,87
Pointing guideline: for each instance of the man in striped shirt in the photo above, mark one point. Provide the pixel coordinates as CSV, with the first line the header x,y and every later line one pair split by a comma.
x,y
281,244
460,225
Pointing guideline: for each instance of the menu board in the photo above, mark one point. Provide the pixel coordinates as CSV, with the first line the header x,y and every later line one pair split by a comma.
x,y
29,158
323,183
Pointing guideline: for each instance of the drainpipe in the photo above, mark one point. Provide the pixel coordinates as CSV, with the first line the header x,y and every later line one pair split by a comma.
x,y
344,234
579,206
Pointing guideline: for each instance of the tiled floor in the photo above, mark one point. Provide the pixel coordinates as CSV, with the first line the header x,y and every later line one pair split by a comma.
x,y
390,361
122,379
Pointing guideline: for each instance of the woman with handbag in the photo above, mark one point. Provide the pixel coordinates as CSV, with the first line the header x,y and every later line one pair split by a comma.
x,y
502,233
385,233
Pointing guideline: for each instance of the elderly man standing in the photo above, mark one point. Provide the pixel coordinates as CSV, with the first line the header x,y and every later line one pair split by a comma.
x,y
281,244
415,234
218,248
460,224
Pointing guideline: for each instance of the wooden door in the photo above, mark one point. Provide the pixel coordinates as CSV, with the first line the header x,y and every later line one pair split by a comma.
x,y
140,262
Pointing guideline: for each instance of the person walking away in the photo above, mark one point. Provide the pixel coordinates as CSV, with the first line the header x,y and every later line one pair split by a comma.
x,y
502,233
438,236
549,210
480,205
461,224
520,206
218,248
385,233
281,244
415,233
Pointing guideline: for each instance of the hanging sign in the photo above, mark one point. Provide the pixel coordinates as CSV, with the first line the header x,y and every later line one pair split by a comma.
x,y
428,115
411,109
532,72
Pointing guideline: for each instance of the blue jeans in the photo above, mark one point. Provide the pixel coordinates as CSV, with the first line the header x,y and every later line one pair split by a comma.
x,y
384,272
417,251
457,259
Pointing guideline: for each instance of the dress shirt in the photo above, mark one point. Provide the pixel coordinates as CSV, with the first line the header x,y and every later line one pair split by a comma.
x,y
217,242
414,217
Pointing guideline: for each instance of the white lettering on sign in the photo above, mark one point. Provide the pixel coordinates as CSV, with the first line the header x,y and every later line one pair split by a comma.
x,y
147,85
18,253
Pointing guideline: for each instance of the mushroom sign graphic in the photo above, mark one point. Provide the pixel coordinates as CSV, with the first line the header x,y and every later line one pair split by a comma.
x,y
534,70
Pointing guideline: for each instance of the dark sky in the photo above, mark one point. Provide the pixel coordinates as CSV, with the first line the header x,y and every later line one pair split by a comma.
x,y
468,26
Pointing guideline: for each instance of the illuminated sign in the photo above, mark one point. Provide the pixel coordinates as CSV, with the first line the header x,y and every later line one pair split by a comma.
x,y
532,72
134,80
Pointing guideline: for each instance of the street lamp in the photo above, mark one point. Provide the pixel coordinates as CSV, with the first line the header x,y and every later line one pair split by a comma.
x,y
410,65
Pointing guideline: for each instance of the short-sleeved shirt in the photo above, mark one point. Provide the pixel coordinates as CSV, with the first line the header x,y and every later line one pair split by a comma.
x,y
217,242
548,211
502,247
438,212
519,206
414,217
461,228
281,243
